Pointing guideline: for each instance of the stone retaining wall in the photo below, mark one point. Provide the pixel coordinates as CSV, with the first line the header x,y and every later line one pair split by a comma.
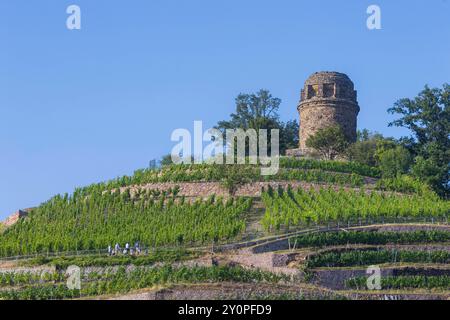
x,y
206,189
335,278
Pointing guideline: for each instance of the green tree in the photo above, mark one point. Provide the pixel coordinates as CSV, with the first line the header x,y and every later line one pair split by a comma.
x,y
384,145
328,142
363,135
234,176
426,170
260,111
289,138
394,162
166,160
427,116
364,150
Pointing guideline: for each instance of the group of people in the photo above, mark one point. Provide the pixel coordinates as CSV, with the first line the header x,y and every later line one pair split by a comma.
x,y
127,250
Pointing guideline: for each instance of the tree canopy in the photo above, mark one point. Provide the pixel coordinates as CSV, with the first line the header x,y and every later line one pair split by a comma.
x,y
260,111
365,149
427,116
328,142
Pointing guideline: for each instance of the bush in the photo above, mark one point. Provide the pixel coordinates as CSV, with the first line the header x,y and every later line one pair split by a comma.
x,y
335,166
403,183
429,172
328,142
394,162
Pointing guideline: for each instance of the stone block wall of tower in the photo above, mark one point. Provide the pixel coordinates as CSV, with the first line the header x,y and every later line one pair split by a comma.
x,y
327,99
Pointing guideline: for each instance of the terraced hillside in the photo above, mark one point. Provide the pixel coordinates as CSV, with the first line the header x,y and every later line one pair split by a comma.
x,y
413,261
307,233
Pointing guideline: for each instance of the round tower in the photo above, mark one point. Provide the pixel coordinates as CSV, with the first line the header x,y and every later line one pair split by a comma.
x,y
328,99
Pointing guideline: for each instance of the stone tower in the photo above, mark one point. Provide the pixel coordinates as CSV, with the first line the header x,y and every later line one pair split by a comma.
x,y
328,99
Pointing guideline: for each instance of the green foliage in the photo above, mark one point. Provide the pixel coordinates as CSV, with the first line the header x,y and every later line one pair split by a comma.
x,y
350,258
232,175
121,281
427,116
260,111
10,279
371,237
329,142
303,208
428,171
384,145
403,282
167,256
363,152
166,160
334,166
365,149
404,184
236,175
289,138
318,176
101,219
394,162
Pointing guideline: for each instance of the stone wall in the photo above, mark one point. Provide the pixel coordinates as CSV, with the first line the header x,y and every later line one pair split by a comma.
x,y
206,189
12,219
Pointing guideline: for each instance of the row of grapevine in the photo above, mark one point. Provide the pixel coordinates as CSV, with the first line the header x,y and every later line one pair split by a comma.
x,y
210,172
335,166
69,223
402,282
10,279
122,281
367,257
306,207
147,258
372,238
404,184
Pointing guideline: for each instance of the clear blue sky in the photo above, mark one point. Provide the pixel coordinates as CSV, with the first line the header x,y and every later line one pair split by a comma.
x,y
78,107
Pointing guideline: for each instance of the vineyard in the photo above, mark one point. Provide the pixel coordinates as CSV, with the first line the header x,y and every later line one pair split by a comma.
x,y
46,287
371,238
374,257
342,223
150,258
102,219
403,184
285,208
402,282
334,166
334,172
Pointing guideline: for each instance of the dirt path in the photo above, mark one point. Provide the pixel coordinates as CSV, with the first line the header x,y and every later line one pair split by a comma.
x,y
263,261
